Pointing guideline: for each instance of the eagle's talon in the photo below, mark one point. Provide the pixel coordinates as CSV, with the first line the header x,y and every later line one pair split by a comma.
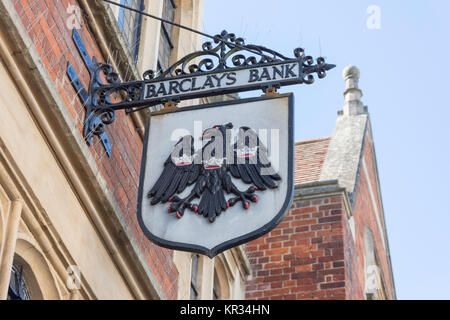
x,y
243,196
233,201
180,205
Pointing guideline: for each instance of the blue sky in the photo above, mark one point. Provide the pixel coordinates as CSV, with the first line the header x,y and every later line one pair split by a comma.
x,y
405,80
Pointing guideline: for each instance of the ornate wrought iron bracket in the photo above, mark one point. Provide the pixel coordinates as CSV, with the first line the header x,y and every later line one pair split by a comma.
x,y
227,66
93,125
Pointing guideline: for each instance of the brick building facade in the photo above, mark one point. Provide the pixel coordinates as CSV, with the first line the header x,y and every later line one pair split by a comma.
x,y
68,226
94,191
333,242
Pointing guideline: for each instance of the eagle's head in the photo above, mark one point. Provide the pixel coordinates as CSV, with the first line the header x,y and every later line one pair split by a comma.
x,y
216,130
183,153
247,143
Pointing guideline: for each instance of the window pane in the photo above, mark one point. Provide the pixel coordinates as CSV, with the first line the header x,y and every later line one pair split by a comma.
x,y
168,14
164,53
166,46
18,289
130,24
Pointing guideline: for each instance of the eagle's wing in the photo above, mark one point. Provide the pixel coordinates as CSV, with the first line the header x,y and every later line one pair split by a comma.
x,y
251,162
177,175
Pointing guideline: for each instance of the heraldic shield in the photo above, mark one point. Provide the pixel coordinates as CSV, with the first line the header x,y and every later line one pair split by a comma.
x,y
219,175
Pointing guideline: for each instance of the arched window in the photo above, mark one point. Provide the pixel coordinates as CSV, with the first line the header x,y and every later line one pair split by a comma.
x,y
18,289
375,288
30,265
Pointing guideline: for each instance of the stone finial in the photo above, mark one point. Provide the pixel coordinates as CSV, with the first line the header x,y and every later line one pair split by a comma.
x,y
351,76
353,105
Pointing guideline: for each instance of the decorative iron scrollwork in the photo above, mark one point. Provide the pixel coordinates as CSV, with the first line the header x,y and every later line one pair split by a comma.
x,y
309,68
225,54
98,118
228,48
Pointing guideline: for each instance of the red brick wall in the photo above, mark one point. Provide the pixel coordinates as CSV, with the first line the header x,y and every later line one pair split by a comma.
x,y
365,214
45,21
312,254
303,258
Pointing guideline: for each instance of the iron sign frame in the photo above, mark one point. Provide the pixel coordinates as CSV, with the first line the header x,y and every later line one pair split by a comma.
x,y
225,55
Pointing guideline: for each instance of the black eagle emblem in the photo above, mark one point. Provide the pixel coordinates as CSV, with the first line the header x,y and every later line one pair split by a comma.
x,y
212,175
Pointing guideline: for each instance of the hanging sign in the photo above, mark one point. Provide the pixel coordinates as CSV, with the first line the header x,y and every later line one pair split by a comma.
x,y
226,66
238,80
219,175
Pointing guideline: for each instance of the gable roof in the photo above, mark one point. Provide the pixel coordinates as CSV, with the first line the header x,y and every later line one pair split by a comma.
x,y
309,158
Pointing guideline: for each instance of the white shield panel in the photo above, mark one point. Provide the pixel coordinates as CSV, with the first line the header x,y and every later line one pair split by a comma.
x,y
246,211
